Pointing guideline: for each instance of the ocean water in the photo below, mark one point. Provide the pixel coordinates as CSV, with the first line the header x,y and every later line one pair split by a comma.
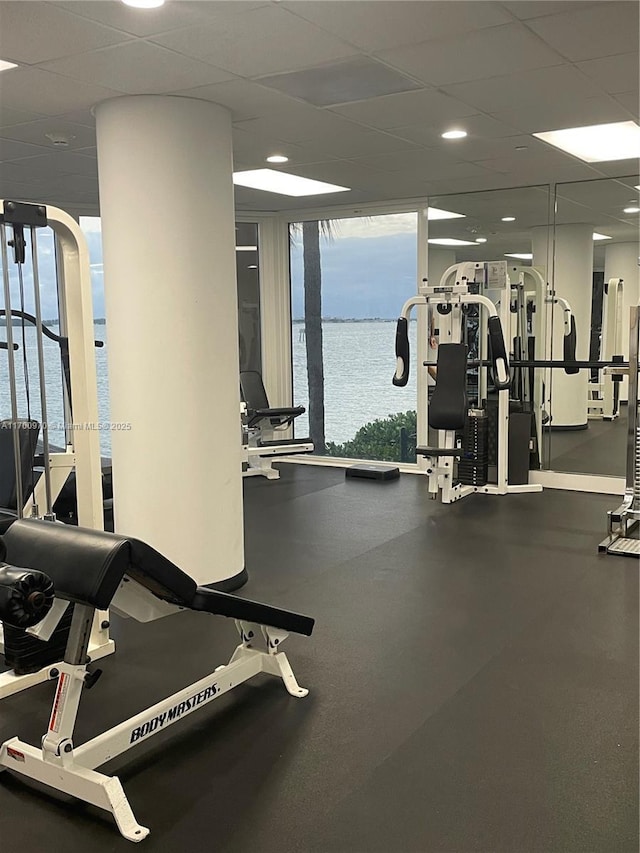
x,y
359,361
28,392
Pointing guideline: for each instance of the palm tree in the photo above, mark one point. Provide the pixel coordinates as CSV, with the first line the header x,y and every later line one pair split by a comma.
x,y
313,327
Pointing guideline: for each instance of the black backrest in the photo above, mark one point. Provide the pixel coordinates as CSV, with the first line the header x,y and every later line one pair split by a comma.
x,y
252,390
448,405
87,566
28,432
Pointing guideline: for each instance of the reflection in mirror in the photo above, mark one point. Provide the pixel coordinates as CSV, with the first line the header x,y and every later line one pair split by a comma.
x,y
595,268
248,278
505,225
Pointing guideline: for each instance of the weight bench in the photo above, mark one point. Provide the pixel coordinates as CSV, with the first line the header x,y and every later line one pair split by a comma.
x,y
260,418
95,571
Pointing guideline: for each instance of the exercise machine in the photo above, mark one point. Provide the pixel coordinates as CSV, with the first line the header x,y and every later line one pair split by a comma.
x,y
48,566
19,226
604,389
623,523
462,424
531,329
261,421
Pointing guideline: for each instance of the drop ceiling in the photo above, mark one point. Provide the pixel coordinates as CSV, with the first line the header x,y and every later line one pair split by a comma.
x,y
355,93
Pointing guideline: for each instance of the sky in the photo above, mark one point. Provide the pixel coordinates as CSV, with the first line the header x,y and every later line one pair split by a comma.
x,y
368,268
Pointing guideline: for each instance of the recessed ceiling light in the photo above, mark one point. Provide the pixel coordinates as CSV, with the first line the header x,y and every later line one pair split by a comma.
x,y
632,210
450,241
5,66
597,236
277,158
283,183
454,134
438,213
144,4
508,219
481,239
522,256
246,248
252,267
597,143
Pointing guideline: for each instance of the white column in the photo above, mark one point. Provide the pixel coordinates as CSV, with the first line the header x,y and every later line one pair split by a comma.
x,y
621,261
439,261
571,275
166,197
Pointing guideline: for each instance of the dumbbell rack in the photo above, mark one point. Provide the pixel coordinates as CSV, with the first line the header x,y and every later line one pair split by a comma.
x,y
623,523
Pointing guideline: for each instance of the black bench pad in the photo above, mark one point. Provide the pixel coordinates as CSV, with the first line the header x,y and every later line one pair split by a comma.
x,y
223,604
87,567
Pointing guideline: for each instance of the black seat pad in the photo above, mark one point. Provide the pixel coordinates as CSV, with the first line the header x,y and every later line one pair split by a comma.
x,y
87,567
448,405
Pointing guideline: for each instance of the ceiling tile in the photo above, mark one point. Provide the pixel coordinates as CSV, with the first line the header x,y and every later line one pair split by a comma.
x,y
630,102
341,172
525,9
9,117
361,142
135,21
614,73
138,68
10,149
245,99
387,25
480,129
354,79
404,109
47,93
18,173
35,132
65,163
430,163
604,30
36,32
517,90
474,56
619,167
263,41
554,115
472,147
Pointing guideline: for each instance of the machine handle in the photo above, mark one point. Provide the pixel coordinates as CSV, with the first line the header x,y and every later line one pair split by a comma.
x,y
401,376
569,349
499,362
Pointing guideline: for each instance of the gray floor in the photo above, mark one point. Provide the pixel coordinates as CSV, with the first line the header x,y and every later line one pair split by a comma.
x,y
473,676
599,449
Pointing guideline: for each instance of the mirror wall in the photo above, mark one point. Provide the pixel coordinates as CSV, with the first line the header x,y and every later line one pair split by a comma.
x,y
506,225
595,268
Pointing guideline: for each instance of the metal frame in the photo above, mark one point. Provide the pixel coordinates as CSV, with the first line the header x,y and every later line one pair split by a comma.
x,y
604,394
454,291
82,455
71,769
623,522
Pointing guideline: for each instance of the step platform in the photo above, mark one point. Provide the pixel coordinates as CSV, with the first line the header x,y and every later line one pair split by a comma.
x,y
381,473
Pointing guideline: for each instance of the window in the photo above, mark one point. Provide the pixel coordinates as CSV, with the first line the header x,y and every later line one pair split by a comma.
x,y
349,280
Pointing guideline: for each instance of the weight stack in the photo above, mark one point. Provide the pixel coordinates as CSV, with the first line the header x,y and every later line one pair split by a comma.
x,y
24,653
473,467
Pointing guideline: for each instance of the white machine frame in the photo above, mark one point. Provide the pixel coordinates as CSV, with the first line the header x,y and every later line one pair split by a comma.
x,y
454,290
532,286
603,401
259,458
82,453
71,769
